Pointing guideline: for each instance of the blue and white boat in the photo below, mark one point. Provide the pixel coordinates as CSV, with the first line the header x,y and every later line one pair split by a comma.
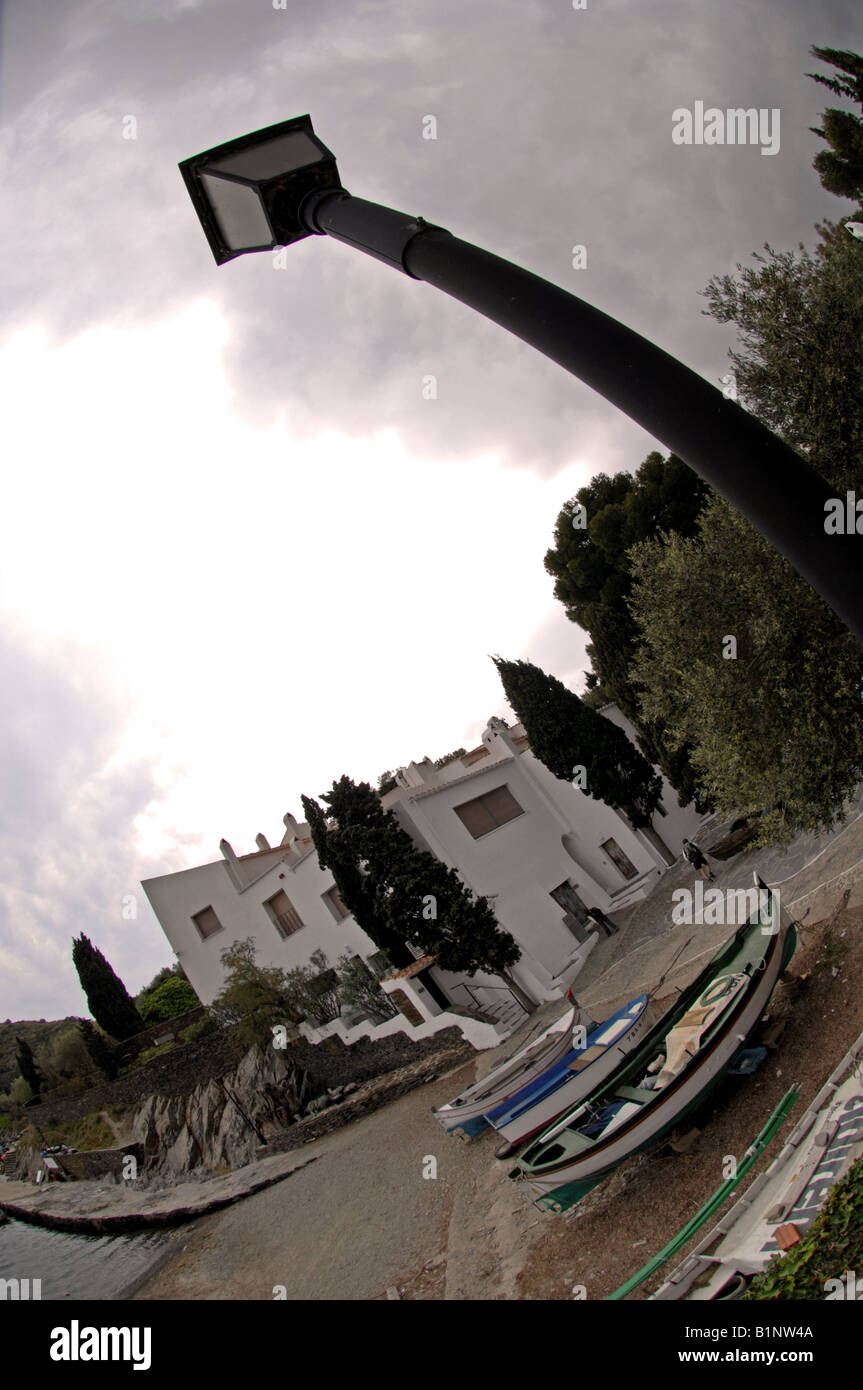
x,y
571,1078
465,1112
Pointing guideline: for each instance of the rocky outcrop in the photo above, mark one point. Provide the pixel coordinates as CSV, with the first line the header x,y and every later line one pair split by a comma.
x,y
222,1122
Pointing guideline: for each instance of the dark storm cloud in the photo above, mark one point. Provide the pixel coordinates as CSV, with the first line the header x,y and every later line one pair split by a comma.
x,y
67,857
554,129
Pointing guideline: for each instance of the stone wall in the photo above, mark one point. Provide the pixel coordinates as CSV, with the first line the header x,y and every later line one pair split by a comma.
x,y
170,1027
95,1163
333,1063
177,1073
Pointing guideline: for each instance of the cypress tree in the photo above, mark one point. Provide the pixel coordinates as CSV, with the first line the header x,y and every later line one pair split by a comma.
x,y
335,843
107,998
100,1051
27,1066
565,733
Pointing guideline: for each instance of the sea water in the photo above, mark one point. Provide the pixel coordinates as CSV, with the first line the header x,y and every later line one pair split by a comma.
x,y
78,1266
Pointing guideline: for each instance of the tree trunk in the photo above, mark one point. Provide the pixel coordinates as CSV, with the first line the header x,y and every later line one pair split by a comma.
x,y
529,1005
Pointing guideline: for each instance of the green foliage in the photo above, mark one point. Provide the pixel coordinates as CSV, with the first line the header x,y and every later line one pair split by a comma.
x,y
781,726
27,1066
107,997
591,570
387,882
386,782
67,1058
254,998
448,757
150,1052
565,733
101,1052
799,367
335,840
832,1245
313,991
841,167
168,1000
202,1028
20,1091
359,989
40,1036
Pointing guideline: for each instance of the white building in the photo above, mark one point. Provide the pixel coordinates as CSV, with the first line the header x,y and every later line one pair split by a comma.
x,y
541,849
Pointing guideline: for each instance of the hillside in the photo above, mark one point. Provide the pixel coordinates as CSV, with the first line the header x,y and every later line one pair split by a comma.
x,y
39,1033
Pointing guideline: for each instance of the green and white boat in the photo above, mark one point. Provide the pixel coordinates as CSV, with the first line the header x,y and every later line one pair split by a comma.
x,y
682,1057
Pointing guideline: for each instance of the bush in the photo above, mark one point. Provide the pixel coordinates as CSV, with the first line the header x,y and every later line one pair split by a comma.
x,y
201,1029
170,999
150,1052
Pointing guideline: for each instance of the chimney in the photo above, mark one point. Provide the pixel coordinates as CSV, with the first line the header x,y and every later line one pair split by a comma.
x,y
232,862
292,828
262,842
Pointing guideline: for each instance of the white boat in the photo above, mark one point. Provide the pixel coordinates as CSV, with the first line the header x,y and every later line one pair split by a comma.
x,y
571,1078
467,1111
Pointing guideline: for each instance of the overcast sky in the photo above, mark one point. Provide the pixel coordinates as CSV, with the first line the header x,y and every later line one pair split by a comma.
x,y
240,553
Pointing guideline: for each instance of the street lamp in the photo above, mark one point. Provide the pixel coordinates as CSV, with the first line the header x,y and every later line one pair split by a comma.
x,y
280,184
248,192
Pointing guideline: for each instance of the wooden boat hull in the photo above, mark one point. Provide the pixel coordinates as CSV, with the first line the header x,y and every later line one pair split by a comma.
x,y
466,1111
559,1088
559,1173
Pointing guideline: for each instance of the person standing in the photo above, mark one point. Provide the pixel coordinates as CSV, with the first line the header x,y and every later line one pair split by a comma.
x,y
601,920
694,856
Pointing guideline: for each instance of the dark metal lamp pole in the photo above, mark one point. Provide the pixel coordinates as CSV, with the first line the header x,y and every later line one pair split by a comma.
x,y
765,479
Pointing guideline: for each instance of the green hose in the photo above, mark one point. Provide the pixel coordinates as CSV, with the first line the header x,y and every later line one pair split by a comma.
x,y
713,1203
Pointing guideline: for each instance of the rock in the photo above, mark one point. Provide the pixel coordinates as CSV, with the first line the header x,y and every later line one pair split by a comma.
x,y
206,1129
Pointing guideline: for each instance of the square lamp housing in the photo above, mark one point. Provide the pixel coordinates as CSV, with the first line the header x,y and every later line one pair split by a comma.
x,y
248,192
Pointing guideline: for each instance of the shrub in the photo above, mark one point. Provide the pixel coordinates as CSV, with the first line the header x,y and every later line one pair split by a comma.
x,y
201,1029
170,999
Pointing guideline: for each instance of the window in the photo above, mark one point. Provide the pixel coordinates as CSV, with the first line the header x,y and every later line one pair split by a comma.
x,y
487,812
333,900
283,914
619,859
207,922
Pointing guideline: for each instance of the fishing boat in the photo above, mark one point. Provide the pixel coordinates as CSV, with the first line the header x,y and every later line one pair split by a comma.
x,y
571,1078
677,1063
467,1112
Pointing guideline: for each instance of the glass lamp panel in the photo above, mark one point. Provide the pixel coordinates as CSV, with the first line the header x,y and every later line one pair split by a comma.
x,y
282,155
239,213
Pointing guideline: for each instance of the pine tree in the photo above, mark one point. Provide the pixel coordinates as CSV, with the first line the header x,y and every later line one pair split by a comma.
x,y
107,998
100,1051
27,1066
565,733
841,167
405,893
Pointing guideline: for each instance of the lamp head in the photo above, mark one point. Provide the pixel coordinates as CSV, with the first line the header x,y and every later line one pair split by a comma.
x,y
247,193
